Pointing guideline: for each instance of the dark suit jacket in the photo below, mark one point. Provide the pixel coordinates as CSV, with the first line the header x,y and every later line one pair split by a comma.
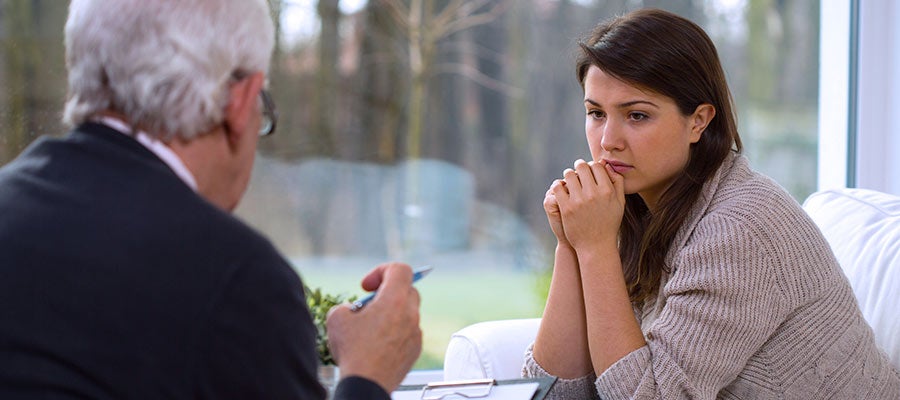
x,y
117,281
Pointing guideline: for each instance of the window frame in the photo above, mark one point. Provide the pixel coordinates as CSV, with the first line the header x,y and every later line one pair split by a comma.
x,y
835,90
859,95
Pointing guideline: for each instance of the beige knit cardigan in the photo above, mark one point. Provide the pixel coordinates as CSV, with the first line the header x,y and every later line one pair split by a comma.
x,y
756,307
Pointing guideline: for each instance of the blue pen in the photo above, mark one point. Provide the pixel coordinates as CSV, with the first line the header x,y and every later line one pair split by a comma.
x,y
418,274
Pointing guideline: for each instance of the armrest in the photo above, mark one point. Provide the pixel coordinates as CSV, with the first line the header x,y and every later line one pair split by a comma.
x,y
492,349
863,228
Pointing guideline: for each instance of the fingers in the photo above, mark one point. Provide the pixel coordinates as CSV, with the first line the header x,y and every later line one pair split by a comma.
x,y
551,205
557,188
383,340
551,208
384,272
394,282
335,308
585,172
617,180
599,169
585,177
337,317
572,182
395,276
578,177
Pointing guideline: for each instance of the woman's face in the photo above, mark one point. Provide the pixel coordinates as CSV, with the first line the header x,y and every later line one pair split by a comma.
x,y
641,134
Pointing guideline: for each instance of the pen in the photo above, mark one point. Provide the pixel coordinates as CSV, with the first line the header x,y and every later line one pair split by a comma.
x,y
418,274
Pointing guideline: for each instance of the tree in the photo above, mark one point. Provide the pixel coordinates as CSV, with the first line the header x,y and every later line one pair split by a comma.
x,y
380,81
33,72
425,25
326,83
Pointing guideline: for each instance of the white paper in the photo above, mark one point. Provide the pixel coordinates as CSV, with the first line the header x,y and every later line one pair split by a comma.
x,y
516,391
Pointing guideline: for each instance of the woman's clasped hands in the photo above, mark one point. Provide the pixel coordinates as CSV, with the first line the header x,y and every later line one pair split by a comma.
x,y
586,206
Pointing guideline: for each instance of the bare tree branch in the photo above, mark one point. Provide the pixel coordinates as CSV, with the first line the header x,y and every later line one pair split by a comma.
x,y
477,49
472,20
478,77
452,10
398,11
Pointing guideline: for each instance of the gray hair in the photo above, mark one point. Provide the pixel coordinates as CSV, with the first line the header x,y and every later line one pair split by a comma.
x,y
163,64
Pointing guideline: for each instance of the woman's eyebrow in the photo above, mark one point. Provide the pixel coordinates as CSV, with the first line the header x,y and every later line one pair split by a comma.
x,y
625,104
634,102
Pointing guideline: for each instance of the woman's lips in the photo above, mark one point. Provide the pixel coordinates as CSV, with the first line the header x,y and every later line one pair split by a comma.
x,y
620,167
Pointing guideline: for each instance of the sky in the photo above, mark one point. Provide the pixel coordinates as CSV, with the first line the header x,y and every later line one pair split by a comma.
x,y
299,20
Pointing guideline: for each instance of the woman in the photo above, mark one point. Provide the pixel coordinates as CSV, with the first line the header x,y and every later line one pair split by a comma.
x,y
679,272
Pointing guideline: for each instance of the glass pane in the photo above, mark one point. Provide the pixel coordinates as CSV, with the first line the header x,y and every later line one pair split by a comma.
x,y
439,151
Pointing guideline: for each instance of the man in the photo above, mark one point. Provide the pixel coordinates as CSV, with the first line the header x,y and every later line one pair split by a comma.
x,y
123,274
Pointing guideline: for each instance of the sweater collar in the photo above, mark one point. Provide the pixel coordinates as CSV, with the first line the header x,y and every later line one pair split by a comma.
x,y
703,202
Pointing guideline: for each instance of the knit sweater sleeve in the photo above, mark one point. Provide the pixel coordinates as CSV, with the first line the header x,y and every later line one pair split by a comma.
x,y
570,389
722,302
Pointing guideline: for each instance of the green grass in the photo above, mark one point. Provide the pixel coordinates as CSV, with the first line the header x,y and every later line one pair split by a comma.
x,y
451,300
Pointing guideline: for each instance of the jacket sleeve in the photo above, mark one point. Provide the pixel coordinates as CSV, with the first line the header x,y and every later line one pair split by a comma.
x,y
259,339
358,388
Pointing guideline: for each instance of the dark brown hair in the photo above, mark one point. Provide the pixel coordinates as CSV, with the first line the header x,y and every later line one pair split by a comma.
x,y
670,55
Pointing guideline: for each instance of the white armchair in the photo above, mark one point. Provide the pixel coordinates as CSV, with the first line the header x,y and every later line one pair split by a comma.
x,y
492,349
862,227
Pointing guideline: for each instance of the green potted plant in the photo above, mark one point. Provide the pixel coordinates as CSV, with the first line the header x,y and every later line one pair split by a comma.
x,y
319,303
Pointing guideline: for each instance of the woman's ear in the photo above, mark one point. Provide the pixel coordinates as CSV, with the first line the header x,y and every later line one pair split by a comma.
x,y
243,107
700,119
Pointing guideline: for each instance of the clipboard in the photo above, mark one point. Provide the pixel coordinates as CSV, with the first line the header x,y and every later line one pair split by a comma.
x,y
477,389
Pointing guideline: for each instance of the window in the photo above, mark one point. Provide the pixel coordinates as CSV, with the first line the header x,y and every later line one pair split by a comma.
x,y
439,151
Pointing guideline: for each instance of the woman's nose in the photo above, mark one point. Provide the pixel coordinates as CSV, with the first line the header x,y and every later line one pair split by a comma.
x,y
610,137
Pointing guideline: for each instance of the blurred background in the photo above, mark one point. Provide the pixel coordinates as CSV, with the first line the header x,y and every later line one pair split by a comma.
x,y
427,131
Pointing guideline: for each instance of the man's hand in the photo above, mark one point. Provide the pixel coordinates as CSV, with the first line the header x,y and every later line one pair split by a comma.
x,y
382,340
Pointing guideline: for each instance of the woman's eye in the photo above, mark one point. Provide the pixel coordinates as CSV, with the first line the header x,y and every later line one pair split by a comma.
x,y
637,116
596,114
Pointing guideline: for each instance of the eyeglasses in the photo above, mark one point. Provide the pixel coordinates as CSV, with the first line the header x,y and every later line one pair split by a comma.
x,y
270,114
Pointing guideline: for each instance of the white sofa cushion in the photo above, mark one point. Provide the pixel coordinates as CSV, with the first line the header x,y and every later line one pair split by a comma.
x,y
863,228
492,349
